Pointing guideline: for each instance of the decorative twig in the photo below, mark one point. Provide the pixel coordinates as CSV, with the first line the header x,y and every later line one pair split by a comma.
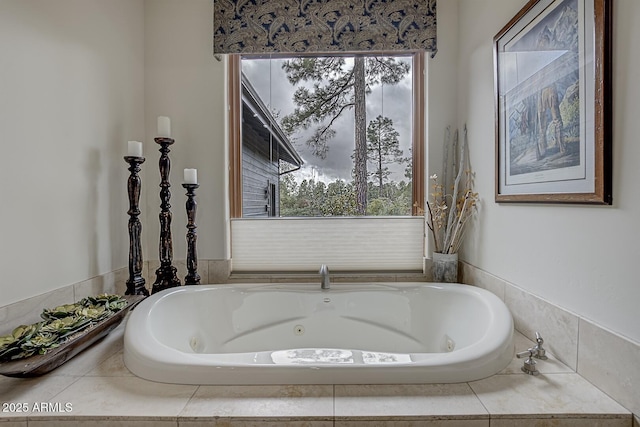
x,y
445,160
460,222
448,228
454,208
433,232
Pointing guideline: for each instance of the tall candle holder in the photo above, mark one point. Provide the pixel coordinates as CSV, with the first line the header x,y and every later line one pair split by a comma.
x,y
165,275
192,277
135,283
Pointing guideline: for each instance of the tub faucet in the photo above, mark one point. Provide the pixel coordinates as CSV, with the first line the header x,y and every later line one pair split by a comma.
x,y
529,364
539,352
324,272
536,351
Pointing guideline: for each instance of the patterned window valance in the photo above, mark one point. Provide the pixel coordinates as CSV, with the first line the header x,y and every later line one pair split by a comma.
x,y
317,26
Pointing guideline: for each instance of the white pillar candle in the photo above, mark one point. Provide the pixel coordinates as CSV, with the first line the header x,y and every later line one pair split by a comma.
x,y
164,127
191,176
135,148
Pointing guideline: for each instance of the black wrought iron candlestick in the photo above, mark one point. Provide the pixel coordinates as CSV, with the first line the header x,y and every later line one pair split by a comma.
x,y
192,277
135,283
165,275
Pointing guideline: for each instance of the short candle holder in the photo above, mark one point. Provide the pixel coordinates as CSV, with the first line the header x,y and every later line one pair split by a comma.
x,y
135,283
165,275
192,277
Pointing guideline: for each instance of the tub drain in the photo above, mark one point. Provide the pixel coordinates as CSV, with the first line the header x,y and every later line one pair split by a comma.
x,y
298,330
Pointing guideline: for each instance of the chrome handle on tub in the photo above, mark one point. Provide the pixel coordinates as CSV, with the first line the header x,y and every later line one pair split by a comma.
x,y
529,364
540,352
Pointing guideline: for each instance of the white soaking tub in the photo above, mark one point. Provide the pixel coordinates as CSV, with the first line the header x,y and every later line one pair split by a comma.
x,y
299,334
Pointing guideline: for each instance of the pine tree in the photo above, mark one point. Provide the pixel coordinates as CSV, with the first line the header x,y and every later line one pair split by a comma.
x,y
337,88
383,148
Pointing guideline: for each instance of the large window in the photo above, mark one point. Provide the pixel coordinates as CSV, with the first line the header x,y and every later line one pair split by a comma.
x,y
309,186
320,136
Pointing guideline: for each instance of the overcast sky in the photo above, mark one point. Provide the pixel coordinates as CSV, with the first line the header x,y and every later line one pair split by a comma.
x,y
395,102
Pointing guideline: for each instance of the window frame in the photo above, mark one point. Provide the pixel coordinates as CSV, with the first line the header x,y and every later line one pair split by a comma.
x,y
234,94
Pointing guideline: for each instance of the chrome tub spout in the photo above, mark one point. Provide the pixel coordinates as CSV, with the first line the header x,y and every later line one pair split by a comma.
x,y
324,272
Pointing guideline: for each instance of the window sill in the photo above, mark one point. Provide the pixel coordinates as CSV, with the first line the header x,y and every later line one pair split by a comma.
x,y
336,277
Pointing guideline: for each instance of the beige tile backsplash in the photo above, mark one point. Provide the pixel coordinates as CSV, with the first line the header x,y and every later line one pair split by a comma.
x,y
607,360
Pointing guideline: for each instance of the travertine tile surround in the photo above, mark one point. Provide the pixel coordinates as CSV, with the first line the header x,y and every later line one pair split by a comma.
x,y
28,311
602,357
210,271
104,392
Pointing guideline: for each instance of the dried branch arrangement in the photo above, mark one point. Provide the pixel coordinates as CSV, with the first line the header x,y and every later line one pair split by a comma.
x,y
448,213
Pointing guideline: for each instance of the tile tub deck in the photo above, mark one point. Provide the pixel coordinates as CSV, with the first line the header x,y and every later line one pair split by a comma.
x,y
95,389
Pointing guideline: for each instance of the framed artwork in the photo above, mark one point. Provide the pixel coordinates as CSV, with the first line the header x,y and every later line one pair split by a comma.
x,y
552,65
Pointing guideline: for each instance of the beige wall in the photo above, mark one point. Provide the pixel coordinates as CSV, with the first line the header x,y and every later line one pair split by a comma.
x,y
582,258
71,95
441,88
186,83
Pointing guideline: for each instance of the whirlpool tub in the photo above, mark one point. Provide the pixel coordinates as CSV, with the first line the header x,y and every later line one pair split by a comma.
x,y
299,334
